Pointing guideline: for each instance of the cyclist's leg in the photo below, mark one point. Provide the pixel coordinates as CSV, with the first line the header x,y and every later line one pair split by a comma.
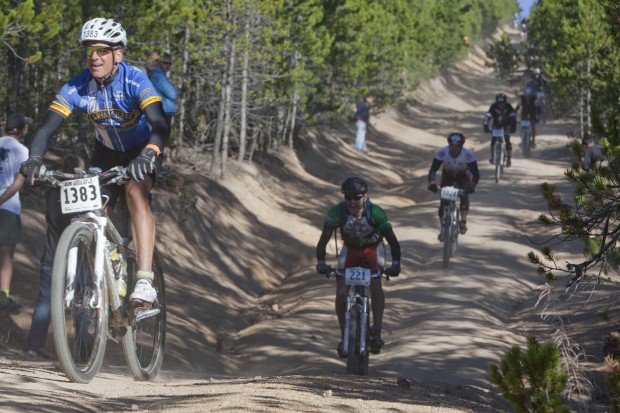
x,y
463,182
533,134
508,150
377,298
491,159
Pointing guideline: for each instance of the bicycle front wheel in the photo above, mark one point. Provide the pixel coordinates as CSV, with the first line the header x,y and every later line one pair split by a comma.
x,y
79,312
447,236
525,142
498,161
143,343
454,236
357,363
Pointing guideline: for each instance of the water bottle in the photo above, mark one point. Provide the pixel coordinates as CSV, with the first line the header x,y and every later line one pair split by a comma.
x,y
119,266
121,284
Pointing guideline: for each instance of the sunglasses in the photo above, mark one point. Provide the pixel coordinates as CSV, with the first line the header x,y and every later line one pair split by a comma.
x,y
166,63
353,197
100,50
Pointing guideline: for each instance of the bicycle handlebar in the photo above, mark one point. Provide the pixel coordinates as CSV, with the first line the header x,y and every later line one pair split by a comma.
x,y
118,175
340,271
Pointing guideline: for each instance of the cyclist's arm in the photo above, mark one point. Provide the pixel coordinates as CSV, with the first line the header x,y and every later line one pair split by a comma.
x,y
390,237
157,119
50,125
473,167
323,240
432,173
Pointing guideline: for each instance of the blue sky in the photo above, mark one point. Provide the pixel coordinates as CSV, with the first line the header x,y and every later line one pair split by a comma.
x,y
525,5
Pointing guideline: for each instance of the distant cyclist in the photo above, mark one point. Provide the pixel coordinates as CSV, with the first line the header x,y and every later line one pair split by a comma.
x,y
363,225
538,82
529,111
460,169
503,116
131,130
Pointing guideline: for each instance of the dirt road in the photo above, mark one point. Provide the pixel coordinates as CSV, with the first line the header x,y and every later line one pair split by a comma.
x,y
251,326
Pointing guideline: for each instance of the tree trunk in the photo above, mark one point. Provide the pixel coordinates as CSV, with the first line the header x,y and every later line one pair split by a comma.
x,y
185,86
229,89
244,95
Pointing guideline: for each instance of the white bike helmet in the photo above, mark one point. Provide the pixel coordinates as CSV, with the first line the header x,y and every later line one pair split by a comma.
x,y
536,71
103,30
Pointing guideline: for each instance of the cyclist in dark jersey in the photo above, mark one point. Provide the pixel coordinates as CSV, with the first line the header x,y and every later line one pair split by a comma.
x,y
363,225
502,115
131,130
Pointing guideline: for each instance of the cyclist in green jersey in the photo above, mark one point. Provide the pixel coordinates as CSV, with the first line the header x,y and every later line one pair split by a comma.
x,y
363,225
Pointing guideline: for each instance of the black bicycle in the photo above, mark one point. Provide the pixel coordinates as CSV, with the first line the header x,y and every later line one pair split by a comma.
x,y
93,266
357,331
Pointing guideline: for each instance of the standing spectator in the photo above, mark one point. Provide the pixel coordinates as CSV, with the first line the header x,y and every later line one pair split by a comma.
x,y
12,154
362,116
157,71
56,224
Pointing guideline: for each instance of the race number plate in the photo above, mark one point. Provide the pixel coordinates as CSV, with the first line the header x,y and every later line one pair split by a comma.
x,y
540,94
79,195
526,123
498,133
357,276
449,193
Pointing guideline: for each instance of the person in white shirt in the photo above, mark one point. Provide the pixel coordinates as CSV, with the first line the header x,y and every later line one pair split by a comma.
x,y
12,154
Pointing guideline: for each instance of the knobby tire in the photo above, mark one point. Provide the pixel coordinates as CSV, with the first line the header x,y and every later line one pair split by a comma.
x,y
498,161
454,237
80,331
447,225
356,363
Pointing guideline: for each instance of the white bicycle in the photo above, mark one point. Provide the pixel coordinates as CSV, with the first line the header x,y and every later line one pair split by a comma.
x,y
499,155
93,266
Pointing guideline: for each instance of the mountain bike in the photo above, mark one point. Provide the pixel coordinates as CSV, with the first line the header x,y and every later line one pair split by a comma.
x,y
498,156
93,265
450,220
357,331
526,137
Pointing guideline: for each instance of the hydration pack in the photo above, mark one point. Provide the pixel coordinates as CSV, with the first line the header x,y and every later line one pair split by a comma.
x,y
344,213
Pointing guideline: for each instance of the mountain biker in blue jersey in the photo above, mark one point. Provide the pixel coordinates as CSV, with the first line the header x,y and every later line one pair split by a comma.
x,y
131,130
504,116
460,169
363,225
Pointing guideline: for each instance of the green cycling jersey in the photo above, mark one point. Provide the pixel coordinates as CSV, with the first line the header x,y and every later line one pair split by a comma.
x,y
362,232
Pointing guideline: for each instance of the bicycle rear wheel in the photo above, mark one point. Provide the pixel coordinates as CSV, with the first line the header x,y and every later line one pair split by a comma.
x,y
79,315
447,235
356,363
143,344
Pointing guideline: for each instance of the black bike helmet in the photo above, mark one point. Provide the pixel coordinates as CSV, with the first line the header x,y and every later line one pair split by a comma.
x,y
500,98
354,185
456,138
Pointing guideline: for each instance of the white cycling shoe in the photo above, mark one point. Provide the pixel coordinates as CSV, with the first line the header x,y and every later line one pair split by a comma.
x,y
143,292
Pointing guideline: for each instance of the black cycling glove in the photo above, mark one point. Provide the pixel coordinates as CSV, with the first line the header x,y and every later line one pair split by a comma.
x,y
143,165
323,268
32,169
433,187
393,270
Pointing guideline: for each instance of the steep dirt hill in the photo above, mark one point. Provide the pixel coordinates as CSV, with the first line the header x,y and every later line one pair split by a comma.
x,y
251,325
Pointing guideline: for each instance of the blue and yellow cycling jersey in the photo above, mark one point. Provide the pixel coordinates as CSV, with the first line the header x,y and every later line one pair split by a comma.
x,y
115,109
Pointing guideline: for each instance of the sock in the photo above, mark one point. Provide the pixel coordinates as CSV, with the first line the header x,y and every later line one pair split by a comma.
x,y
145,275
4,294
